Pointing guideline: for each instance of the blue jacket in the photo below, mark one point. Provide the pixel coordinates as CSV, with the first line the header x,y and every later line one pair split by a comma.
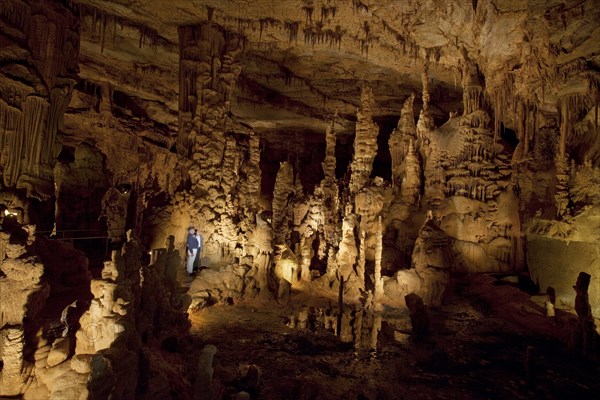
x,y
192,243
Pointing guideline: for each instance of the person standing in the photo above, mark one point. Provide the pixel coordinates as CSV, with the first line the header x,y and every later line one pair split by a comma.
x,y
197,259
192,245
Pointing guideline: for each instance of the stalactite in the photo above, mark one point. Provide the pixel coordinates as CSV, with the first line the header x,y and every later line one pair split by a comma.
x,y
326,11
30,117
102,33
101,18
267,23
425,83
433,53
16,13
292,28
308,10
358,5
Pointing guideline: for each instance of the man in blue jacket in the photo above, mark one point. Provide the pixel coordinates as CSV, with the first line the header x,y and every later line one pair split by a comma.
x,y
192,246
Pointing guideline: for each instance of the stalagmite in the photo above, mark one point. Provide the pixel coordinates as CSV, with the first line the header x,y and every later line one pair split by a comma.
x,y
562,161
360,266
425,123
378,292
284,184
365,142
410,189
400,139
329,187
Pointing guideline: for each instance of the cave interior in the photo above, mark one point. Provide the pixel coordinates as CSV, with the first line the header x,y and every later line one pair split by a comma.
x,y
397,199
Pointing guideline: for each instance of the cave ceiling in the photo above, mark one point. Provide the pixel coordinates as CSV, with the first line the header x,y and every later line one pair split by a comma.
x,y
304,60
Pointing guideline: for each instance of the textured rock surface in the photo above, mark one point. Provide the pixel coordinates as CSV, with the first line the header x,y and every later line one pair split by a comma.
x,y
360,149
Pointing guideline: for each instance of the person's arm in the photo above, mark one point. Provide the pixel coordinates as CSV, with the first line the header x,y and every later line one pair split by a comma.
x,y
188,247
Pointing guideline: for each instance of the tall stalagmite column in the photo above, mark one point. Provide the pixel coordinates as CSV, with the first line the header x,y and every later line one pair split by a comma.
x,y
252,173
284,185
400,139
33,98
365,142
378,253
561,196
329,187
425,123
209,64
410,190
208,68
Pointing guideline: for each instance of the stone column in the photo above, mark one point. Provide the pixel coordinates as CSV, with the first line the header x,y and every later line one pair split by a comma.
x,y
378,251
561,196
425,123
400,139
365,142
360,268
284,184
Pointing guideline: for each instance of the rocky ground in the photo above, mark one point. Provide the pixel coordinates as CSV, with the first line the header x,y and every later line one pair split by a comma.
x,y
477,350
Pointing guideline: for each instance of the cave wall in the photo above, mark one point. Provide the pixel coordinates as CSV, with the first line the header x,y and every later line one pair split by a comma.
x,y
41,46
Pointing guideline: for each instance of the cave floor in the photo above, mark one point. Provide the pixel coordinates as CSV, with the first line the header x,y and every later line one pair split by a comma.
x,y
477,350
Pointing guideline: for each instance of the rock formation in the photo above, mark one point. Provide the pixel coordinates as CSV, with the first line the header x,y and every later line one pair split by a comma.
x,y
287,136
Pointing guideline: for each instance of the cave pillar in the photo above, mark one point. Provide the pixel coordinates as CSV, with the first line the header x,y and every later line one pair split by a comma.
x,y
411,182
305,257
378,252
361,266
209,64
365,142
32,106
12,378
562,163
400,139
425,123
329,188
284,186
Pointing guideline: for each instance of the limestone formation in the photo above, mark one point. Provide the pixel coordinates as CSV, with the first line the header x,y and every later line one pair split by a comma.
x,y
400,140
33,99
285,133
365,142
284,185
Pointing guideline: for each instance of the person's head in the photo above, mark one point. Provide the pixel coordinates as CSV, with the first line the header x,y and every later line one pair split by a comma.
x,y
195,232
191,230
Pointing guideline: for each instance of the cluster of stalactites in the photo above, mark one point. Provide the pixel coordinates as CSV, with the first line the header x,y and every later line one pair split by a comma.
x,y
205,50
31,111
208,69
473,97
